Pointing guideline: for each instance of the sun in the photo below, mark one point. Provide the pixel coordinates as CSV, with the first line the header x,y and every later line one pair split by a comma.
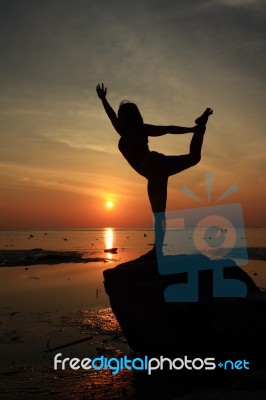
x,y
109,204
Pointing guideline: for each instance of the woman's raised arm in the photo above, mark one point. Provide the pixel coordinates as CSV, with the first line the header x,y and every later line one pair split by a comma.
x,y
102,92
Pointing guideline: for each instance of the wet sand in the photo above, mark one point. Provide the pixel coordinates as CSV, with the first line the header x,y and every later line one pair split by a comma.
x,y
27,341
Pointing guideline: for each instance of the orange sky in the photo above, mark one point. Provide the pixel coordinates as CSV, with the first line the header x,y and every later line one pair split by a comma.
x,y
59,158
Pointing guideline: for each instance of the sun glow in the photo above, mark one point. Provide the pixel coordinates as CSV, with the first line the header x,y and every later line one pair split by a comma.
x,y
109,204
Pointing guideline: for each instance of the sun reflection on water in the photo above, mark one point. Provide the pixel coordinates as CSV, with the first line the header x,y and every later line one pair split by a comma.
x,y
109,241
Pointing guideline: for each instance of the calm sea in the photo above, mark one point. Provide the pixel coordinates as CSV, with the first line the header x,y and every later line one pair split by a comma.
x,y
92,241
75,284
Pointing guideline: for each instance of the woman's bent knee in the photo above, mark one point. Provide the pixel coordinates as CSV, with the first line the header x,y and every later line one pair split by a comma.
x,y
195,159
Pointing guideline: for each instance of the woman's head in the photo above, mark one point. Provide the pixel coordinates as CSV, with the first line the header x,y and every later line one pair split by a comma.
x,y
129,115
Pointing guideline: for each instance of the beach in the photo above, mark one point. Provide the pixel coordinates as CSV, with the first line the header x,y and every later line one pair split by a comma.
x,y
53,300
44,306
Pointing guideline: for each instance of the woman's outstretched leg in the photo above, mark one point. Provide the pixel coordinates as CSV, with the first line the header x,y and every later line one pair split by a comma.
x,y
196,145
172,165
197,139
175,164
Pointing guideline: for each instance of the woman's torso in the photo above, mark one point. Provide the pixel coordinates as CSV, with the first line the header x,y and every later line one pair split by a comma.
x,y
133,144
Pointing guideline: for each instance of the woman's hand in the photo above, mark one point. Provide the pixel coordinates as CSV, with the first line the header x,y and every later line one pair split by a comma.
x,y
101,91
199,129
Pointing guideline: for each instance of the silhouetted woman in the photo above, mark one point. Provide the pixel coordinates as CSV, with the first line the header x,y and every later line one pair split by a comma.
x,y
133,144
155,167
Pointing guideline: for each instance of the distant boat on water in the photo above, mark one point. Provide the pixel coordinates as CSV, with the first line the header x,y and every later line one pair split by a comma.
x,y
112,250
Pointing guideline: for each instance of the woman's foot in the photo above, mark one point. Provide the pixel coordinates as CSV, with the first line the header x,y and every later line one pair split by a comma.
x,y
199,129
202,120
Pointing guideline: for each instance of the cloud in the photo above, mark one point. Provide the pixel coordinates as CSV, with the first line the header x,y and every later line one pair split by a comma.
x,y
242,3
